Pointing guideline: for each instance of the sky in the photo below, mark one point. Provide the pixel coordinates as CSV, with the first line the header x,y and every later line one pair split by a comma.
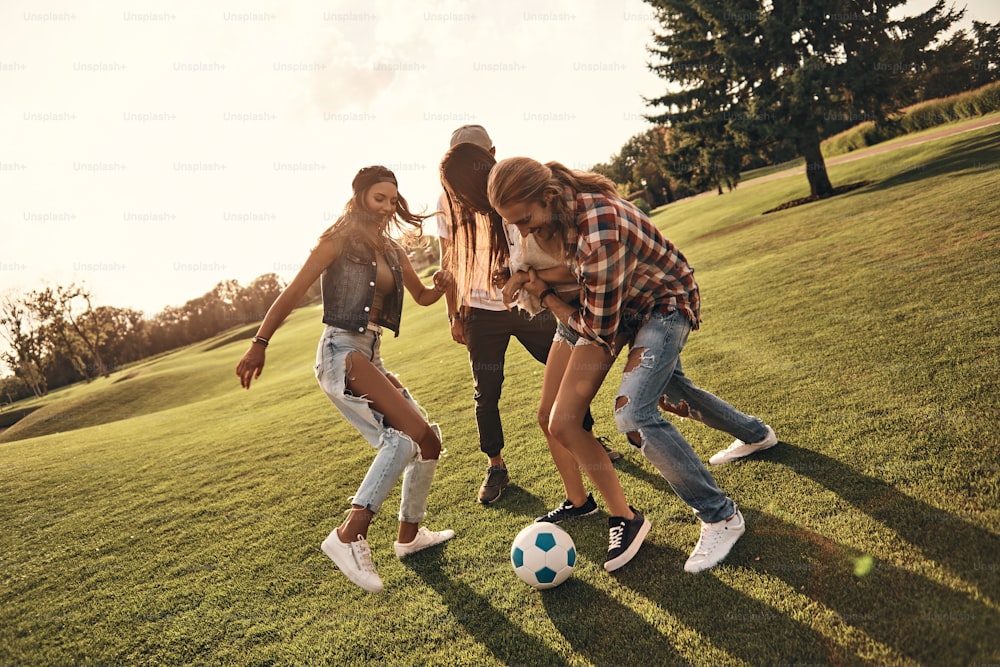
x,y
149,150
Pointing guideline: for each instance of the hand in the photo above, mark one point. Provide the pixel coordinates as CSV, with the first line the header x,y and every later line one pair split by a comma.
x,y
500,277
513,286
250,365
535,285
458,331
443,280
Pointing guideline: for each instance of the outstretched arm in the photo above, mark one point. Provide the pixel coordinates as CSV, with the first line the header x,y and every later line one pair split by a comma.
x,y
252,364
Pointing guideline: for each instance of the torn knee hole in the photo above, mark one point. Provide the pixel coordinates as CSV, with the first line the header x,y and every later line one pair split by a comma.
x,y
634,358
635,438
621,402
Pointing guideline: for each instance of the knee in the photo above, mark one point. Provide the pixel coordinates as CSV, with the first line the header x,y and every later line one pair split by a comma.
x,y
429,444
564,428
628,420
543,420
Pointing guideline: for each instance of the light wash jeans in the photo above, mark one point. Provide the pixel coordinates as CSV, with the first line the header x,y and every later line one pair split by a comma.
x,y
658,372
397,453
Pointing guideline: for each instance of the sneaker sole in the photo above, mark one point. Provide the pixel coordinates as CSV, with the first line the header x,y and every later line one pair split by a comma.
x,y
496,498
363,584
730,459
633,549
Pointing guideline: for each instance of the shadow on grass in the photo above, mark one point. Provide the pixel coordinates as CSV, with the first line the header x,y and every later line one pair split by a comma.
x,y
968,550
603,630
925,621
973,155
598,627
748,629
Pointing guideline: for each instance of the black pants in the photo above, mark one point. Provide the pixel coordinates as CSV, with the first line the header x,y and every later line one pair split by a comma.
x,y
487,335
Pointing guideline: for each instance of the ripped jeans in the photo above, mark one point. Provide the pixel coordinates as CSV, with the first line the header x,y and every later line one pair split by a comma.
x,y
397,454
660,341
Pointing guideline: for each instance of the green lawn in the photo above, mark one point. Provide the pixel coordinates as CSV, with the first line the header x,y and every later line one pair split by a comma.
x,y
164,516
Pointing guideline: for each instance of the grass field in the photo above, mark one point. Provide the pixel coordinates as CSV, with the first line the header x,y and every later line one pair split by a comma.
x,y
164,516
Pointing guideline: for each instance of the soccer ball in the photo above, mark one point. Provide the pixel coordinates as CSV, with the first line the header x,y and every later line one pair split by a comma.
x,y
543,555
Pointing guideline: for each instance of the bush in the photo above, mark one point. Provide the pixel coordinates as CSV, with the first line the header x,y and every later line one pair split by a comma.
x,y
642,205
925,115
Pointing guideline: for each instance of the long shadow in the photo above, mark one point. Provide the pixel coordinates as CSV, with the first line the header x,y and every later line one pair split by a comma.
x,y
970,551
925,621
748,629
603,630
586,626
977,154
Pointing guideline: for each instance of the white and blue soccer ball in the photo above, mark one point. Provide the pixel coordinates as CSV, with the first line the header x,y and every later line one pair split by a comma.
x,y
543,555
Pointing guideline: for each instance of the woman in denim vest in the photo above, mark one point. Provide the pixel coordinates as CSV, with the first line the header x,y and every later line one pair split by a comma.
x,y
363,273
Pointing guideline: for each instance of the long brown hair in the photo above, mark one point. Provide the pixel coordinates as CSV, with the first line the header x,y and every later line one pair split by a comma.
x,y
356,219
465,169
523,180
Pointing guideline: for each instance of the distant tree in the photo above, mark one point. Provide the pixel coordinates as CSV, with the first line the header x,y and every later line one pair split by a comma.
x,y
777,71
68,316
641,166
19,328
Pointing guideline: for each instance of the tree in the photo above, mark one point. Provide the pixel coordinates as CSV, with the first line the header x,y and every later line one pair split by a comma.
x,y
19,328
769,72
68,314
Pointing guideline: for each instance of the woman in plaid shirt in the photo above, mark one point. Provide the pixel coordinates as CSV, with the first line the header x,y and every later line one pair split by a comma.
x,y
636,289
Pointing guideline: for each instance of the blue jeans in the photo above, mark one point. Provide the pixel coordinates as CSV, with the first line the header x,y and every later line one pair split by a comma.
x,y
658,372
397,455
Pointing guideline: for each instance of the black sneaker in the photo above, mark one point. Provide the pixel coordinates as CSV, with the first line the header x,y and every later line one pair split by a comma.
x,y
615,456
493,485
624,539
568,511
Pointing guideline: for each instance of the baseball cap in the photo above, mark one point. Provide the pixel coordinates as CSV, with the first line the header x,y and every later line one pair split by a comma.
x,y
472,134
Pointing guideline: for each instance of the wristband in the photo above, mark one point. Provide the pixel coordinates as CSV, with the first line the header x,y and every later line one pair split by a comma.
x,y
545,292
260,340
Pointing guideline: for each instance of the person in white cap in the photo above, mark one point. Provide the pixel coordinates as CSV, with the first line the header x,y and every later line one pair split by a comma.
x,y
481,321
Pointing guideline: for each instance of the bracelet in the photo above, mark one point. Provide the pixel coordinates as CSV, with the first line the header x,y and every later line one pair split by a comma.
x,y
545,292
457,316
260,340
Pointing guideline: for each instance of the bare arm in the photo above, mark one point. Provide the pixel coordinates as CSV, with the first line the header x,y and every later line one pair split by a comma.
x,y
457,324
252,363
422,294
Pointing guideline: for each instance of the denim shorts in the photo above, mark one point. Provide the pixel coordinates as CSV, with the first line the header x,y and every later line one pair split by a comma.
x,y
331,357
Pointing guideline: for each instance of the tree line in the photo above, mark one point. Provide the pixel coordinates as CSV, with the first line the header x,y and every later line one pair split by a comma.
x,y
752,83
56,336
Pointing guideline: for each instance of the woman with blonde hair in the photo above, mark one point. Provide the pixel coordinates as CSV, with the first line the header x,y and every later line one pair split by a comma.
x,y
637,289
363,272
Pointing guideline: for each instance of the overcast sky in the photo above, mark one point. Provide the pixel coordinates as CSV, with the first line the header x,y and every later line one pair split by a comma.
x,y
150,150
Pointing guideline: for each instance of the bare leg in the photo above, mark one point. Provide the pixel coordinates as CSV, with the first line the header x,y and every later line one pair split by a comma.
x,y
566,463
588,365
364,379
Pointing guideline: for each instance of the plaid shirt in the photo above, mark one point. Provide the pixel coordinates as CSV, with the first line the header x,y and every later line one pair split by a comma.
x,y
627,269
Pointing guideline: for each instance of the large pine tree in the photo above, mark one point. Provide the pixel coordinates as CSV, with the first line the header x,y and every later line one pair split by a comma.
x,y
777,71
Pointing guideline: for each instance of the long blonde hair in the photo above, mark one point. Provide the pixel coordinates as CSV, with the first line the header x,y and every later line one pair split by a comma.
x,y
519,180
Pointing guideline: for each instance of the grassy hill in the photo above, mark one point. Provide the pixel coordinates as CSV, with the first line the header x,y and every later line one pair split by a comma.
x,y
165,516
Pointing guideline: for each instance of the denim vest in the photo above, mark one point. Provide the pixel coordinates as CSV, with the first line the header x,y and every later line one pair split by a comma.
x,y
348,288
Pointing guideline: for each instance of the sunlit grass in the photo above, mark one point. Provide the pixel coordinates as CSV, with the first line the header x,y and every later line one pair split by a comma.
x,y
165,516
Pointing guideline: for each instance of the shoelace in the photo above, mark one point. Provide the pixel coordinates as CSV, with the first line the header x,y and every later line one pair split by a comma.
x,y
615,537
560,510
363,555
713,535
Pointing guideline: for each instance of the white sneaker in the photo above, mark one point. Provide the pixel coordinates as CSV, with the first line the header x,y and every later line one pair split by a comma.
x,y
425,538
354,560
715,542
739,449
